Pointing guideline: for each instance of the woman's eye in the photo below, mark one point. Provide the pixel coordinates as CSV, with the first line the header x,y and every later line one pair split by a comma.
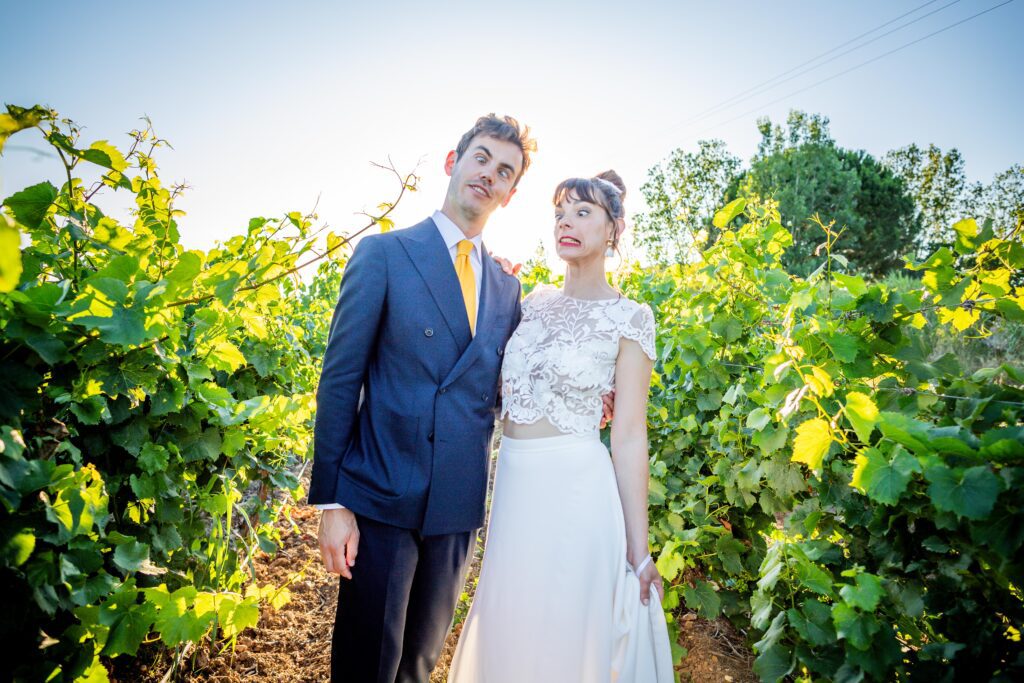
x,y
558,216
582,212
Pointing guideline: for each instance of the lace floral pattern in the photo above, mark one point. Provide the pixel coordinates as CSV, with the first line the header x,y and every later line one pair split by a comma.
x,y
561,359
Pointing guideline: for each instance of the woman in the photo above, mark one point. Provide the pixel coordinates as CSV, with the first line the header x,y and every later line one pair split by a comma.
x,y
565,586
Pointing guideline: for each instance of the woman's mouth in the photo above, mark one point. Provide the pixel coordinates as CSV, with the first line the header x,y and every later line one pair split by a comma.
x,y
567,241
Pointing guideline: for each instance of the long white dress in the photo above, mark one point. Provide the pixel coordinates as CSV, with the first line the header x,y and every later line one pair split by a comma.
x,y
556,599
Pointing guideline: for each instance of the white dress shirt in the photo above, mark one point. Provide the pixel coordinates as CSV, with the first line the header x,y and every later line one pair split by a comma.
x,y
452,235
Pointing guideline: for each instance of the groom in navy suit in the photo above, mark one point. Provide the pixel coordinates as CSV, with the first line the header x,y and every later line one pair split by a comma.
x,y
405,415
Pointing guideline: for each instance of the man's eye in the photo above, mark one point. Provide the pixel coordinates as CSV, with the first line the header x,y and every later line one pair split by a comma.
x,y
503,173
481,158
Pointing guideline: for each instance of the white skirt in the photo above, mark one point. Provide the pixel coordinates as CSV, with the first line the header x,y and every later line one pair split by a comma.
x,y
556,600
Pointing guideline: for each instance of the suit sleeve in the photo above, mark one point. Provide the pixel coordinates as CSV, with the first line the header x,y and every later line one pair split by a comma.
x,y
350,346
517,316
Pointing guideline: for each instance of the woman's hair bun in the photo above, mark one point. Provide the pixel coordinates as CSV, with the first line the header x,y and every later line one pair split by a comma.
x,y
614,178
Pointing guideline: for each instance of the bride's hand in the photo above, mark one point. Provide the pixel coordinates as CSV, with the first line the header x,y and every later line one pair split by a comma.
x,y
607,408
506,265
649,576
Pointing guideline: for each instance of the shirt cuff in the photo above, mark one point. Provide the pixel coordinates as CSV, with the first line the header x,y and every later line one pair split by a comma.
x,y
329,506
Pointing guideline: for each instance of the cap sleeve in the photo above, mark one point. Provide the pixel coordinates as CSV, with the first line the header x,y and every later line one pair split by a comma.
x,y
537,294
640,328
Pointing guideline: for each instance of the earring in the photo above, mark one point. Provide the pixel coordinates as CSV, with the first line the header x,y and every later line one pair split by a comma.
x,y
610,251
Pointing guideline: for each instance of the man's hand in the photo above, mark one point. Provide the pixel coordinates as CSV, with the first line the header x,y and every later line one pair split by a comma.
x,y
607,408
339,541
506,265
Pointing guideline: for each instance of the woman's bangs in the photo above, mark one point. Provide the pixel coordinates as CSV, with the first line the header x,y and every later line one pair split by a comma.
x,y
575,189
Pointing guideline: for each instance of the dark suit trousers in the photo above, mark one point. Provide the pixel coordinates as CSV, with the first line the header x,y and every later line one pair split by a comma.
x,y
393,615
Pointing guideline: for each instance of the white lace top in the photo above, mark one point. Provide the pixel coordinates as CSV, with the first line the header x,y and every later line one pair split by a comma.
x,y
560,361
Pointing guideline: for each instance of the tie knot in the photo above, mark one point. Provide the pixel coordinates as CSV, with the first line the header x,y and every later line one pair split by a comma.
x,y
465,247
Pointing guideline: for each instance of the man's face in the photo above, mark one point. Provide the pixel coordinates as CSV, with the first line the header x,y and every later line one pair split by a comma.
x,y
483,179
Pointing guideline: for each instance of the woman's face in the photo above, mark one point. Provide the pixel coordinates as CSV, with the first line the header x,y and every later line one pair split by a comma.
x,y
582,230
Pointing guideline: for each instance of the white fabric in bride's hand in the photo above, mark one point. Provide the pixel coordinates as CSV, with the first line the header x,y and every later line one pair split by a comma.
x,y
641,652
561,359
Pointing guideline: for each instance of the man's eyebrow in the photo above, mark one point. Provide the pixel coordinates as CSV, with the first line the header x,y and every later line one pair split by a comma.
x,y
503,164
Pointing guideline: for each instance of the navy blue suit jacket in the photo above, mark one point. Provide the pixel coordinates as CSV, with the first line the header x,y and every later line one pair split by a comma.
x,y
415,452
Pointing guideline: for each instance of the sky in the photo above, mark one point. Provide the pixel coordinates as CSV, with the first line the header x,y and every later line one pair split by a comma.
x,y
274,107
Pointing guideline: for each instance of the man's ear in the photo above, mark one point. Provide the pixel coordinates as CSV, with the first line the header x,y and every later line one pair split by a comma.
x,y
449,162
508,197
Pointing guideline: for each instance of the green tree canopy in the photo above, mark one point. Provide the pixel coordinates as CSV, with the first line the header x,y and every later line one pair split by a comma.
x,y
682,194
938,186
1002,200
799,166
888,211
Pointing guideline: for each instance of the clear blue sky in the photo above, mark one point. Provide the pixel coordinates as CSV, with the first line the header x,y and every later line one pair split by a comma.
x,y
270,105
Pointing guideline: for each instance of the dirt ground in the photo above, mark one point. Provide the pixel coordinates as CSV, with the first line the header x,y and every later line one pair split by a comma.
x,y
293,644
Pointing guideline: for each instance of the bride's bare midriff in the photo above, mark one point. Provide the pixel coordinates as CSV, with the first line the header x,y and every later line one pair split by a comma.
x,y
538,430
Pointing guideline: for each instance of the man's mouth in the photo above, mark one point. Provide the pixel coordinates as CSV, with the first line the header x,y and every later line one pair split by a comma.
x,y
569,241
480,190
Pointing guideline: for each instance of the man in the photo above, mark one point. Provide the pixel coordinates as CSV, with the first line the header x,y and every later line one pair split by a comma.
x,y
420,327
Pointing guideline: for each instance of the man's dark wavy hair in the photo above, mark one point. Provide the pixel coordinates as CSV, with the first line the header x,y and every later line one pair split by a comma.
x,y
503,128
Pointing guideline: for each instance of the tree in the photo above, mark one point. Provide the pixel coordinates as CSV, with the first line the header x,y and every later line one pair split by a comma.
x,y
806,179
1002,200
682,194
800,167
888,210
936,182
801,129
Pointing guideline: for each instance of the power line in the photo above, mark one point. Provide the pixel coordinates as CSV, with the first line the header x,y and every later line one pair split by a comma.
x,y
758,89
30,150
701,114
858,66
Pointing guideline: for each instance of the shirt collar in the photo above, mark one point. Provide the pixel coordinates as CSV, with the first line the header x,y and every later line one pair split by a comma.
x,y
452,234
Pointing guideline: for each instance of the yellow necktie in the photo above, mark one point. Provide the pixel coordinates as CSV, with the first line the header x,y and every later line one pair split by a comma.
x,y
465,272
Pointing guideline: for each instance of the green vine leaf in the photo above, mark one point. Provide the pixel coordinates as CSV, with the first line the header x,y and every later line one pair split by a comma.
x,y
812,442
969,493
30,206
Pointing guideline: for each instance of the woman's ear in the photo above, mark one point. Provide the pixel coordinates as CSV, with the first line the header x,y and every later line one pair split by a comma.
x,y
620,227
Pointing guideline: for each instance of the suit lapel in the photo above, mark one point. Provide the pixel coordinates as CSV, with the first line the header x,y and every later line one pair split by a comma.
x,y
429,255
490,285
490,289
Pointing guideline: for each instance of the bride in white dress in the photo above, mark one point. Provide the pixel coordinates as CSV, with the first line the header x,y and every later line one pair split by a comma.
x,y
567,590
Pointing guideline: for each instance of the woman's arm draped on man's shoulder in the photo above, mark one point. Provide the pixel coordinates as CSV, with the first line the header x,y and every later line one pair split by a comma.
x,y
350,345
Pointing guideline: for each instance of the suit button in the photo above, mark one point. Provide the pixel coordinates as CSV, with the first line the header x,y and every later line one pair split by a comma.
x,y
442,390
430,437
429,332
483,397
501,350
